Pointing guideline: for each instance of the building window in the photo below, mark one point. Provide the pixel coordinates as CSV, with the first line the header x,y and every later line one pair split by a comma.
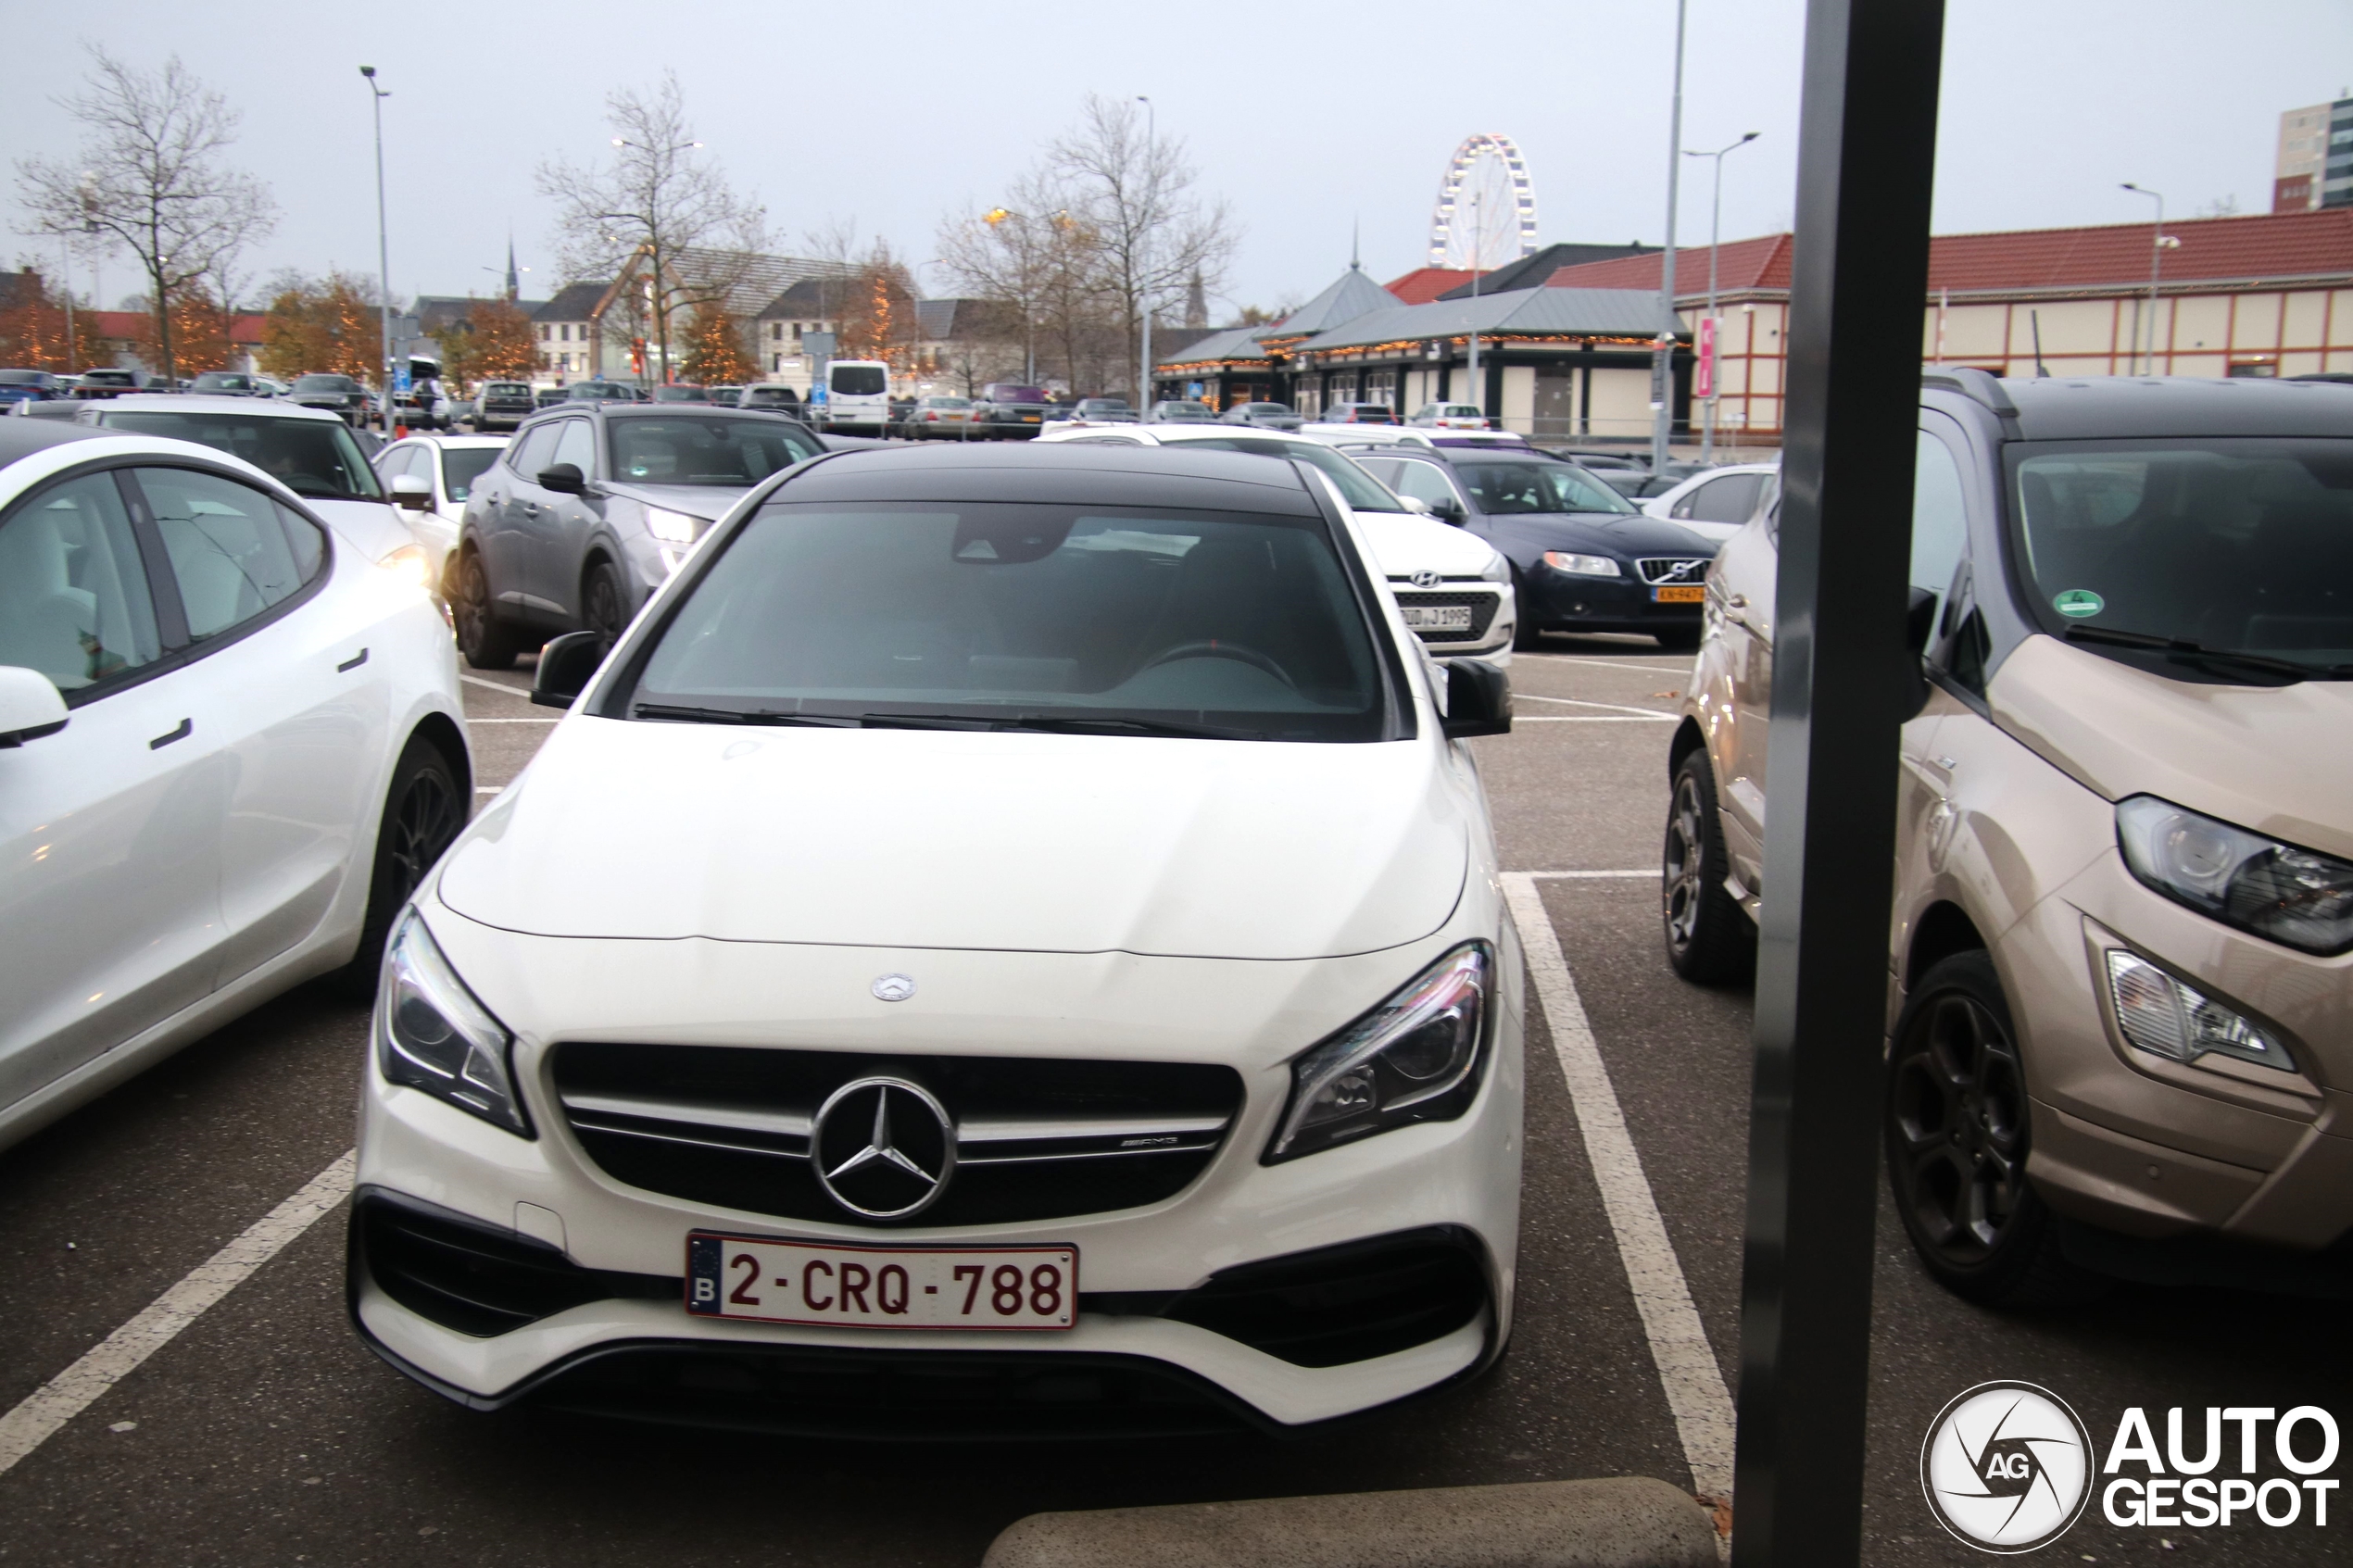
x,y
796,332
776,361
543,332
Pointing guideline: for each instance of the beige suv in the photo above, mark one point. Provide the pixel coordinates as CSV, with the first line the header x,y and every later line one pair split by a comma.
x,y
2121,996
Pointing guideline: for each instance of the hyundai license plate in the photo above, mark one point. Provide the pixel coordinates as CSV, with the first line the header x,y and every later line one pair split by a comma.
x,y
1681,594
763,1280
1436,618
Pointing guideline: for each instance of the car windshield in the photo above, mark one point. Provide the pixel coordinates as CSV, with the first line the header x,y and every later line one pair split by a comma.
x,y
325,384
705,449
312,457
1017,394
222,378
1110,619
681,395
460,466
505,389
2235,545
1502,489
1360,490
857,381
948,402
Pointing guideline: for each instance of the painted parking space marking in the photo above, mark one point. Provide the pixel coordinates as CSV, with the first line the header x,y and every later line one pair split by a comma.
x,y
1563,876
523,692
40,1415
472,720
1688,1370
1608,663
1580,702
1576,719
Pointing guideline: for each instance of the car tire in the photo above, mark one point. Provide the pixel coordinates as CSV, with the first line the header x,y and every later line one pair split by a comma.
x,y
424,808
1710,940
488,642
604,605
1678,639
1956,1125
1527,636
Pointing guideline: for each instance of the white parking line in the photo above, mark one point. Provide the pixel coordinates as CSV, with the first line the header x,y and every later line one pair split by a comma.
x,y
494,685
1687,1365
1562,876
474,721
39,1415
1580,702
1610,663
1572,719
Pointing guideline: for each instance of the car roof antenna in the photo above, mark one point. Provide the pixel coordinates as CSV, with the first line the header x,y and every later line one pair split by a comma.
x,y
2035,319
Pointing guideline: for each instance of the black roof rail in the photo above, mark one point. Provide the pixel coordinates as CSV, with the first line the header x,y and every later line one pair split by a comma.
x,y
1978,387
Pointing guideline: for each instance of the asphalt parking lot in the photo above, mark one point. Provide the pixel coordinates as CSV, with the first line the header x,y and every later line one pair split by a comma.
x,y
264,1434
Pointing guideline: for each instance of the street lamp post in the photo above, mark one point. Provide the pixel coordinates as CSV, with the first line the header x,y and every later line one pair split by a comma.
x,y
1143,288
1477,392
1663,357
1715,329
384,258
2157,265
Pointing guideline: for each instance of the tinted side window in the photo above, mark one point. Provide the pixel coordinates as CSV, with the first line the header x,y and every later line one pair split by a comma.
x,y
229,553
73,598
1728,500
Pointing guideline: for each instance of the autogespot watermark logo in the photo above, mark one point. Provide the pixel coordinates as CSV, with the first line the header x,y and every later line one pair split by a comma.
x,y
2006,1467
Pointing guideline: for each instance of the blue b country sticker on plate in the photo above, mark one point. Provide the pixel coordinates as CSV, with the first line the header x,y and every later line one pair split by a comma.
x,y
2077,603
703,1273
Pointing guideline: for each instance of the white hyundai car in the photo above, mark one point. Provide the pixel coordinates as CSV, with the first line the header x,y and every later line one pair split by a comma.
x,y
1008,942
1453,589
429,478
231,744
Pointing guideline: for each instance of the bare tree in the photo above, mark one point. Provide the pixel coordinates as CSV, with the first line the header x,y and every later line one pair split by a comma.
x,y
151,177
640,217
1033,260
1151,233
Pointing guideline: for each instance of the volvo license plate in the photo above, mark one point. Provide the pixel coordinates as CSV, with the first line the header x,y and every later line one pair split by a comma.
x,y
1681,594
1436,618
763,1280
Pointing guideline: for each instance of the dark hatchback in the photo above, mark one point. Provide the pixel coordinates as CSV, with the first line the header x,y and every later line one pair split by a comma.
x,y
1583,559
339,395
1006,411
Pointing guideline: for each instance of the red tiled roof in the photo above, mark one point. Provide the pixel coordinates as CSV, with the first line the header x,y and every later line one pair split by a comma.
x,y
1424,284
2290,244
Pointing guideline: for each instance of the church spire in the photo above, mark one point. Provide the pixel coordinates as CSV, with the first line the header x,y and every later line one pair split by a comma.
x,y
514,279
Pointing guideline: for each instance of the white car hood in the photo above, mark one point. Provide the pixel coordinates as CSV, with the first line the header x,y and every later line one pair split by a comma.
x,y
905,838
374,528
1405,543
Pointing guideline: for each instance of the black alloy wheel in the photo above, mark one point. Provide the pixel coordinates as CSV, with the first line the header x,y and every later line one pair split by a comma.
x,y
1710,940
487,643
1956,1125
603,607
423,810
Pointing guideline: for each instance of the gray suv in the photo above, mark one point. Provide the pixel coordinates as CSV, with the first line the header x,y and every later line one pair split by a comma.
x,y
591,508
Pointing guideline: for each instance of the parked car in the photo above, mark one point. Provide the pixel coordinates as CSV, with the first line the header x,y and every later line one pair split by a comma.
x,y
64,408
901,410
1266,416
19,386
939,419
1449,416
1108,1007
2124,870
227,383
592,507
680,392
339,395
502,404
1453,589
724,396
1180,410
1583,559
1102,411
1357,414
229,747
104,383
547,397
430,479
1004,410
1715,502
778,397
602,392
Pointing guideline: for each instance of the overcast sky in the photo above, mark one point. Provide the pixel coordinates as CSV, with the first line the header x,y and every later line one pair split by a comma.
x,y
1306,118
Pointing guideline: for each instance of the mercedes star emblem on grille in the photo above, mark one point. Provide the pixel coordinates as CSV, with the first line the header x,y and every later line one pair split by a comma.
x,y
1426,579
883,1147
894,987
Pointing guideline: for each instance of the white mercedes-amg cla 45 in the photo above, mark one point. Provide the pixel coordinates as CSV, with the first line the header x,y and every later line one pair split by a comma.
x,y
1007,943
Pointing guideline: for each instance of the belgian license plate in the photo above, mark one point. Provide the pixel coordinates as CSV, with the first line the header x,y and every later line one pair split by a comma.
x,y
1681,594
763,1280
1436,618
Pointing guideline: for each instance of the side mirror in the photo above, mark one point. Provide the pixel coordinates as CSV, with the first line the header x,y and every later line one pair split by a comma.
x,y
411,492
1416,503
1450,509
1479,699
29,705
1919,625
564,479
566,666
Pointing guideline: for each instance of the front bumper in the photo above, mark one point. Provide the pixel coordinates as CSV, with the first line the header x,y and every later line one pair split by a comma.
x,y
1557,601
1145,1345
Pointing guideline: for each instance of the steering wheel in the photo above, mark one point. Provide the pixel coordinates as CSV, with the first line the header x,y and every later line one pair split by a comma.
x,y
1215,649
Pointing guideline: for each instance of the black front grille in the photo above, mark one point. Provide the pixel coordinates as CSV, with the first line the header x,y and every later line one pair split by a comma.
x,y
477,1278
1482,609
1036,1138
1339,1304
1675,571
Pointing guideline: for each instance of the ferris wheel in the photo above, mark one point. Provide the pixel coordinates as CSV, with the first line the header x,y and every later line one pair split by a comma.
x,y
1486,213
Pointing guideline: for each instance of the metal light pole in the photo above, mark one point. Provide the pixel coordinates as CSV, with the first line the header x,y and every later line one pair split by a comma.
x,y
384,258
1663,357
1143,294
2156,264
1715,225
1478,392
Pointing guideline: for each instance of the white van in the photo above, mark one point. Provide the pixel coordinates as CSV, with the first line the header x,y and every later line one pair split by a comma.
x,y
857,395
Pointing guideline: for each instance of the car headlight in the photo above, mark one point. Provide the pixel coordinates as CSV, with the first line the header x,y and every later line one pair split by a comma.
x,y
1581,566
1498,570
2299,899
408,565
675,528
2172,1019
1414,1057
431,1035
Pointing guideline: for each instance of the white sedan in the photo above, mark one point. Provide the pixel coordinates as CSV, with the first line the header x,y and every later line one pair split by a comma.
x,y
1026,889
429,478
231,744
1714,503
1453,589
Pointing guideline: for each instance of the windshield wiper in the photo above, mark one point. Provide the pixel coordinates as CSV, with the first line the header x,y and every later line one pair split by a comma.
x,y
678,713
1056,721
2199,653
